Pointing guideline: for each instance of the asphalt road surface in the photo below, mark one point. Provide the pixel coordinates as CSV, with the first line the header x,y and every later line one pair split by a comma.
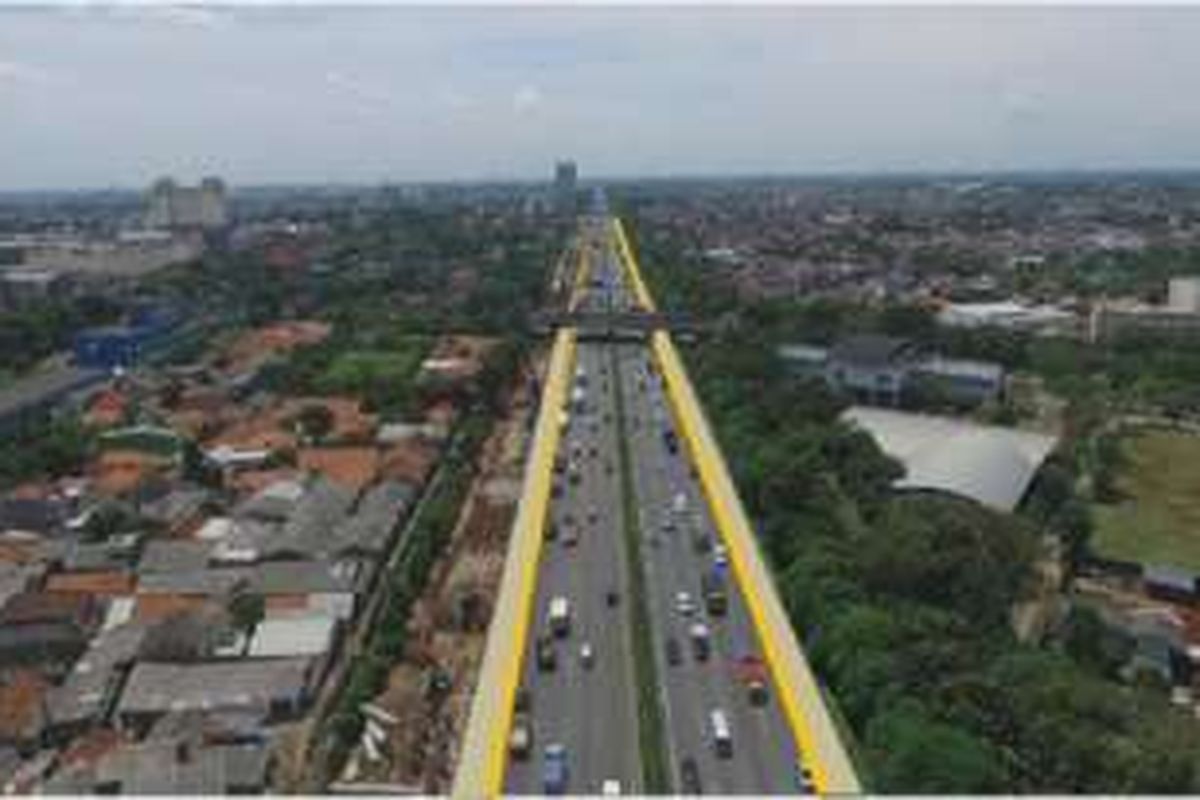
x,y
592,711
764,754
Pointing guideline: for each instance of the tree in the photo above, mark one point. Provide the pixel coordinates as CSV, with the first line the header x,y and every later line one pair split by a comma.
x,y
912,753
246,610
315,421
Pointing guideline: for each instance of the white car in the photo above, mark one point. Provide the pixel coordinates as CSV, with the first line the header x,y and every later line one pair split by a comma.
x,y
610,787
684,604
587,655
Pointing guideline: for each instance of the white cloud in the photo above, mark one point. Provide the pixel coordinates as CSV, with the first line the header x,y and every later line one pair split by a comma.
x,y
15,73
527,99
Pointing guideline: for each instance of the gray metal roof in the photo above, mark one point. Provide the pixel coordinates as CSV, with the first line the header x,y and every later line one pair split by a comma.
x,y
869,350
990,464
174,555
216,685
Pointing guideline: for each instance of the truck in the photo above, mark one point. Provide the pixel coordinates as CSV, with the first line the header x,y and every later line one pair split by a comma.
x,y
712,587
701,641
554,769
752,673
560,617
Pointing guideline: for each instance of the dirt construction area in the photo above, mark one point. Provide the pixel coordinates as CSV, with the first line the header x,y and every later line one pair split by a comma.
x,y
428,694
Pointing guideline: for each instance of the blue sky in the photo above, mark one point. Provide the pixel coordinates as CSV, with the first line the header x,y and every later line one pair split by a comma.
x,y
94,96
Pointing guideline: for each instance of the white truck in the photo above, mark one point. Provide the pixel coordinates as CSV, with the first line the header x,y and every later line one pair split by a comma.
x,y
560,616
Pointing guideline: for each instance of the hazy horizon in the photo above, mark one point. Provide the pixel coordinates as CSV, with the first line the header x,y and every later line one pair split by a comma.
x,y
95,97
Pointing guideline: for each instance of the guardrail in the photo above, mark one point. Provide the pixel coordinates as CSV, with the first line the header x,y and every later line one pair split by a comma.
x,y
804,707
483,757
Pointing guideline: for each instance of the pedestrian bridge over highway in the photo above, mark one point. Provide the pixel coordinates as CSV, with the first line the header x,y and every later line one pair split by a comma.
x,y
616,325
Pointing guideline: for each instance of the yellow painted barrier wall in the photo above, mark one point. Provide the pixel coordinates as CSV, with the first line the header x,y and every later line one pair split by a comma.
x,y
816,735
483,758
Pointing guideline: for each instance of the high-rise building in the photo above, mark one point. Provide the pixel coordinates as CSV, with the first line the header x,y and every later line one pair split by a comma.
x,y
566,173
169,205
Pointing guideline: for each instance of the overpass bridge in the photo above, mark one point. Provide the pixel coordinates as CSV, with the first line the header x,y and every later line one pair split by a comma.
x,y
628,325
792,744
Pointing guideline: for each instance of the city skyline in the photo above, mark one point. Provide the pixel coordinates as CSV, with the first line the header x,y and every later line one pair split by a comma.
x,y
313,95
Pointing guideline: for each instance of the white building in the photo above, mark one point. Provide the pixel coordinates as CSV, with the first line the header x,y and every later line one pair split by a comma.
x,y
172,206
1183,295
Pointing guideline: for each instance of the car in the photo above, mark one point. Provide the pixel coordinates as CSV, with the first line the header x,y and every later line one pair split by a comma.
x,y
593,515
570,537
554,769
520,738
684,604
556,490
612,597
524,700
689,775
610,787
587,655
804,779
674,652
547,659
720,555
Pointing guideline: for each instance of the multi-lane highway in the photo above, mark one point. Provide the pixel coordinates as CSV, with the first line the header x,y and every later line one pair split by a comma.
x,y
680,547
589,708
583,706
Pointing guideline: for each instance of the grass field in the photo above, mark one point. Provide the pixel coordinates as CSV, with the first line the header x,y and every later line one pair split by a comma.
x,y
1158,521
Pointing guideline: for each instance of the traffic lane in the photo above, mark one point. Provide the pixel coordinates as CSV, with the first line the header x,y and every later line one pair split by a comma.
x,y
711,684
570,705
685,695
604,715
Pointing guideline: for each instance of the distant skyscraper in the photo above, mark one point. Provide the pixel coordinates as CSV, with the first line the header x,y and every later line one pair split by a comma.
x,y
565,176
172,206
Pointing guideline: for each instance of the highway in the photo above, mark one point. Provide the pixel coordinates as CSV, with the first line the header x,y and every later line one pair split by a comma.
x,y
764,755
569,543
591,711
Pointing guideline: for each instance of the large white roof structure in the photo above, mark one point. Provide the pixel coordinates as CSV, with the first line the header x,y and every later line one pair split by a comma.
x,y
990,464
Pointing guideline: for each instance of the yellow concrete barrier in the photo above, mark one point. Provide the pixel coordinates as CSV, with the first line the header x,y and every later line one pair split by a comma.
x,y
484,755
817,737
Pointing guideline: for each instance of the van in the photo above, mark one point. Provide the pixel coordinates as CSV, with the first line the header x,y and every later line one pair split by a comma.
x,y
722,736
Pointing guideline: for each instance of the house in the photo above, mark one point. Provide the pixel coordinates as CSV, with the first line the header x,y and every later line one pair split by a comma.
x,y
22,710
91,688
312,636
31,608
170,767
110,583
179,510
1169,583
174,555
350,467
278,687
46,645
886,370
42,515
367,531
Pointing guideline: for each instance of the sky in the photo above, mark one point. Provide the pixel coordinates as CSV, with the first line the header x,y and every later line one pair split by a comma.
x,y
94,96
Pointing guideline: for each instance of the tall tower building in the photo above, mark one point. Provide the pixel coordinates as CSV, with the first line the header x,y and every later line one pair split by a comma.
x,y
566,174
